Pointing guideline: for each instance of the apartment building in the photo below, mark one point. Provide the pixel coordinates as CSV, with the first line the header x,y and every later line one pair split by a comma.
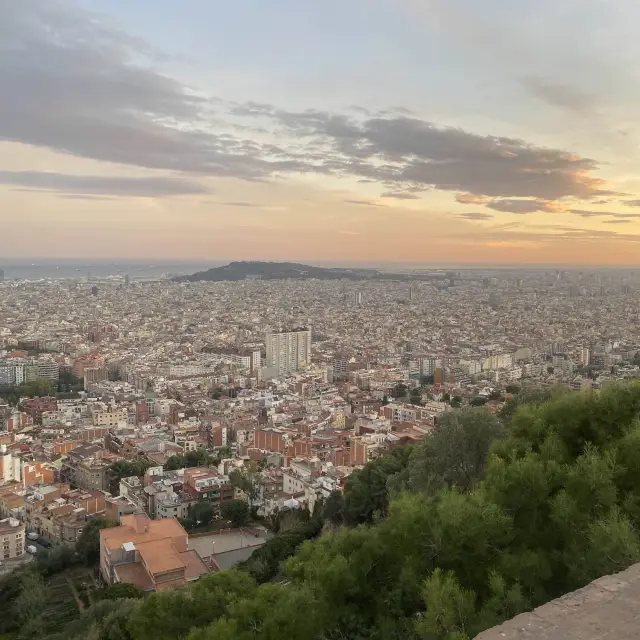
x,y
10,466
37,473
35,407
12,539
118,506
110,417
48,370
288,350
153,555
202,484
85,361
85,469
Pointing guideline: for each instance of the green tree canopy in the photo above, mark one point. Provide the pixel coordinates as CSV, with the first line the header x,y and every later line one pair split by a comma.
x,y
247,480
203,512
366,494
333,508
237,512
125,469
454,453
88,545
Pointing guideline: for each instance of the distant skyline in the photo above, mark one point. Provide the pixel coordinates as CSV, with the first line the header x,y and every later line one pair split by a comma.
x,y
344,131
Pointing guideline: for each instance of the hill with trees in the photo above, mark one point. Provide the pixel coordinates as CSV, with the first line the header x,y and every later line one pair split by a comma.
x,y
486,518
292,270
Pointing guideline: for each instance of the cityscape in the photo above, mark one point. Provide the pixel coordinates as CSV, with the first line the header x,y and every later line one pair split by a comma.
x,y
319,320
163,406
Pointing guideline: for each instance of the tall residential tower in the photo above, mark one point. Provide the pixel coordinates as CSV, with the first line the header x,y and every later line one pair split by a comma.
x,y
288,351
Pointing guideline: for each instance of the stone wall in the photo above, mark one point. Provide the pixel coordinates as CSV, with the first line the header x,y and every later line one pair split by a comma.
x,y
607,609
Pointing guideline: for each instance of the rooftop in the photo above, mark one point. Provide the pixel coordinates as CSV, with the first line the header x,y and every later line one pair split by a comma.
x,y
138,528
9,525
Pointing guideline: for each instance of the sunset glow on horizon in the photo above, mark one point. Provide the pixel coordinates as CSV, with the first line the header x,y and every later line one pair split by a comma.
x,y
436,131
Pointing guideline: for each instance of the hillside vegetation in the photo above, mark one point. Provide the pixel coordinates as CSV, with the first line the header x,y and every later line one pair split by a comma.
x,y
485,519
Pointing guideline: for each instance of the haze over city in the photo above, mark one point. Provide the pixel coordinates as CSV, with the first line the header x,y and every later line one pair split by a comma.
x,y
337,131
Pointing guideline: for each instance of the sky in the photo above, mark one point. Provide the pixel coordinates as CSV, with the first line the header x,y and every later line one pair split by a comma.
x,y
431,131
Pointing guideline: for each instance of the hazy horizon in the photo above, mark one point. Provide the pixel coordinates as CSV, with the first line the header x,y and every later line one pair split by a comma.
x,y
84,265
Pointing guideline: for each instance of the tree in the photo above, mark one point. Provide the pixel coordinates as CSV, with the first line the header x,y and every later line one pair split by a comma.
x,y
67,382
116,592
175,462
125,469
450,610
236,512
479,401
512,388
365,493
454,453
202,512
168,615
456,402
415,397
528,394
33,593
195,458
266,562
37,388
88,544
224,452
400,390
55,560
333,508
247,480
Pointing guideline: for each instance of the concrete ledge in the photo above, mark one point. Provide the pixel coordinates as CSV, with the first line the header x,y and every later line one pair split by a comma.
x,y
608,608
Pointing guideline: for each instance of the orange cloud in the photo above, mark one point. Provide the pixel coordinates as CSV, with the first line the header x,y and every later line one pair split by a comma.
x,y
470,198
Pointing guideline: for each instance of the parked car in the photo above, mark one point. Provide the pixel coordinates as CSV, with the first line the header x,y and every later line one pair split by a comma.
x,y
45,543
33,535
32,550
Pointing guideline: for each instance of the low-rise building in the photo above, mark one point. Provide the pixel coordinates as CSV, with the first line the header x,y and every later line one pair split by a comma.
x,y
153,555
12,539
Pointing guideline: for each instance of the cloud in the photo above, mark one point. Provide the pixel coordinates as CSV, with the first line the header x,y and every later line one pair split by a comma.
x,y
364,203
632,203
78,196
475,215
510,205
587,214
602,214
546,236
248,205
80,85
411,152
81,186
617,221
400,195
470,198
560,95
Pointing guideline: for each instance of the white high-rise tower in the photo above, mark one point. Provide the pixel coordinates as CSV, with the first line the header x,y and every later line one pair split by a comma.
x,y
288,351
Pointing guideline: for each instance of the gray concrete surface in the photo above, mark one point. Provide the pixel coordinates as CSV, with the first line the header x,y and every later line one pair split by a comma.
x,y
224,542
607,609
